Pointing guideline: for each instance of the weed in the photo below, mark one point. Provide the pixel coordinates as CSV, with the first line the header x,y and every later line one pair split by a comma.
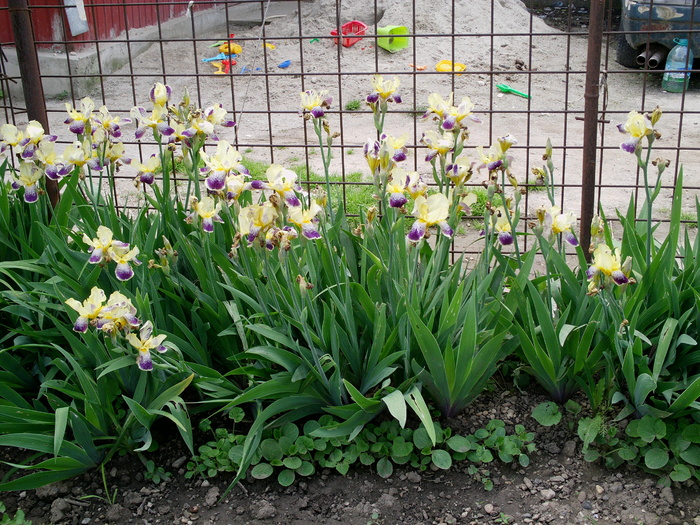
x,y
155,474
353,105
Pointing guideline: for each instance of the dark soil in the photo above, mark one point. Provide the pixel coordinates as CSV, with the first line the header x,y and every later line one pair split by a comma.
x,y
558,487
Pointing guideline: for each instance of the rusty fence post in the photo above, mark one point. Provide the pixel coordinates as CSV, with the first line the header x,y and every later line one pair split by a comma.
x,y
20,19
590,122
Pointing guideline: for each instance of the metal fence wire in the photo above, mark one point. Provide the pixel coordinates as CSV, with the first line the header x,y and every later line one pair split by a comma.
x,y
114,51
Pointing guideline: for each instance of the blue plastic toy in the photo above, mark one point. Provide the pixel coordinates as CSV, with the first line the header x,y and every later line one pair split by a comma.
x,y
220,56
285,64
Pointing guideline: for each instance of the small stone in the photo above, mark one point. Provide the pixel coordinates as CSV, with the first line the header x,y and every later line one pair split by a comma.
x,y
667,494
117,514
212,496
557,479
205,484
488,509
58,506
85,521
179,462
264,510
582,496
528,483
587,505
413,477
599,490
547,494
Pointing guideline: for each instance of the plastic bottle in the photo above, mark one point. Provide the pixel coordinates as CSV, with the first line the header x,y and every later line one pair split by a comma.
x,y
678,61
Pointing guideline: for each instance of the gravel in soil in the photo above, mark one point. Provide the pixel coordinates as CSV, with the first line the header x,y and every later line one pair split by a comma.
x,y
558,487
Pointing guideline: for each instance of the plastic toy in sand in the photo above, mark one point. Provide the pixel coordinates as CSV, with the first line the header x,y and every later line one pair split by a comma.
x,y
507,89
223,67
352,32
285,64
220,56
392,38
447,66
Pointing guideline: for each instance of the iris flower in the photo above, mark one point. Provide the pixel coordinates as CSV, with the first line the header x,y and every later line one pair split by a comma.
x,y
144,343
502,226
496,156
79,121
415,185
54,167
29,175
218,116
306,219
11,136
226,160
315,102
117,315
460,171
33,136
256,219
157,121
78,155
206,209
160,94
120,253
397,197
437,143
88,310
607,269
429,212
384,89
99,246
638,126
450,117
391,151
556,222
111,124
284,182
147,172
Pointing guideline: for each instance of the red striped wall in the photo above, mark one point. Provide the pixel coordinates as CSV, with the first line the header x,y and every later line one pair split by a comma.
x,y
106,19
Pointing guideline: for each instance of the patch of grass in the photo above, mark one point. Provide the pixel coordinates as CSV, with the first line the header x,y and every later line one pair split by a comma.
x,y
63,95
353,105
248,150
479,206
350,152
256,168
690,218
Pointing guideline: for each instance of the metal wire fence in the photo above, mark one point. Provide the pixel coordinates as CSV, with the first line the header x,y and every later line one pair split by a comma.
x,y
115,51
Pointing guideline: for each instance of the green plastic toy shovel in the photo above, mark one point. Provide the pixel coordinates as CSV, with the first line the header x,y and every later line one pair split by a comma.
x,y
507,89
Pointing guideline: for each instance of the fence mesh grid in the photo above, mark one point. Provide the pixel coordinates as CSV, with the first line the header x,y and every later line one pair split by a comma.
x,y
287,47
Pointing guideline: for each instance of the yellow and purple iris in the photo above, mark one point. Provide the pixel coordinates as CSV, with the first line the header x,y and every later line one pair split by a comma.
x,y
117,315
124,256
88,310
76,154
147,172
306,219
111,124
397,197
79,121
217,116
460,171
392,150
54,167
157,121
315,102
281,237
284,182
496,157
449,116
33,137
98,247
430,211
256,219
414,184
437,143
384,90
607,269
29,175
144,343
225,161
638,126
207,210
160,94
502,226
11,136
556,223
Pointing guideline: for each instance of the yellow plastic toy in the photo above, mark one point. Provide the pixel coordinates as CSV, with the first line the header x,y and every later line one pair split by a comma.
x,y
448,65
230,48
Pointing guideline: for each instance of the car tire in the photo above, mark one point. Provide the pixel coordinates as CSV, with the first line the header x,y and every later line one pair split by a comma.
x,y
626,55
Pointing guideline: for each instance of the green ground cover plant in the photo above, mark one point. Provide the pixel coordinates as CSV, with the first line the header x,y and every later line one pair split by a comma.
x,y
307,311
